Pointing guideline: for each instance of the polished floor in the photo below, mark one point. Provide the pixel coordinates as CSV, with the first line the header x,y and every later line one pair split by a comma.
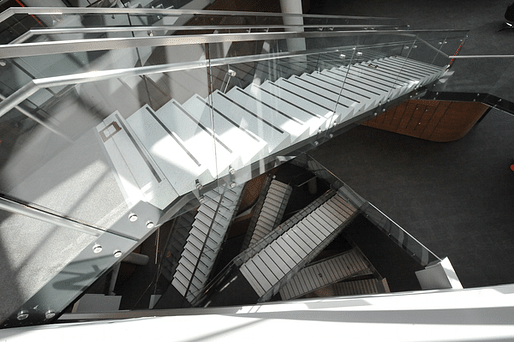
x,y
456,198
483,19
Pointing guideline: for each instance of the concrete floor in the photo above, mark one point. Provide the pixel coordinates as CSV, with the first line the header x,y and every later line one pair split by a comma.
x,y
457,198
483,19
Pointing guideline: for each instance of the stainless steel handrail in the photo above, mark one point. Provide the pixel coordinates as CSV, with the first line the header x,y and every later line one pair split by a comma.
x,y
480,56
93,76
167,12
42,31
403,230
81,45
40,215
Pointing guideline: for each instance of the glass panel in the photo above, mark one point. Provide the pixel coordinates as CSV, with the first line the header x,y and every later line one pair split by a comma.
x,y
102,146
46,265
32,253
105,19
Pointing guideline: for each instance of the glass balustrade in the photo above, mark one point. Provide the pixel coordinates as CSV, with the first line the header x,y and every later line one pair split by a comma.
x,y
52,22
98,133
243,103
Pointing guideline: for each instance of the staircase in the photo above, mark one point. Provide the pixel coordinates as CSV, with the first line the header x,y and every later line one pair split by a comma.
x,y
175,244
360,287
116,178
161,155
272,210
271,267
205,239
324,273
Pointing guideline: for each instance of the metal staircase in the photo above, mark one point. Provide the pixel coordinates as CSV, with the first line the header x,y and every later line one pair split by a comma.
x,y
89,160
279,259
326,272
272,210
250,124
205,239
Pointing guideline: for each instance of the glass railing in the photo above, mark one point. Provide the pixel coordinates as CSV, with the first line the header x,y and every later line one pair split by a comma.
x,y
84,23
100,130
220,280
395,232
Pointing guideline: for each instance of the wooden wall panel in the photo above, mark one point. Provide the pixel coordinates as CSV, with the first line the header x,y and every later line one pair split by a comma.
x,y
440,121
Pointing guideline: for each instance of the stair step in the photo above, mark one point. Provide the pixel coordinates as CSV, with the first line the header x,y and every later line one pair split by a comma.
x,y
324,273
139,174
253,117
372,98
349,100
313,121
320,112
287,119
179,166
206,146
246,145
327,102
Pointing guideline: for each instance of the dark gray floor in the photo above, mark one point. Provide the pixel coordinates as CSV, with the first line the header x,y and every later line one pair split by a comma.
x,y
456,198
483,19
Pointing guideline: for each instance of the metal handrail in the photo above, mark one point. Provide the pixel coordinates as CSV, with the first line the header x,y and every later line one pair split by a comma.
x,y
167,12
42,31
82,45
19,208
401,229
93,76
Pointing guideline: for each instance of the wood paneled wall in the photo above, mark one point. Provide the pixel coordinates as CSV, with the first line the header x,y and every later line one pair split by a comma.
x,y
440,121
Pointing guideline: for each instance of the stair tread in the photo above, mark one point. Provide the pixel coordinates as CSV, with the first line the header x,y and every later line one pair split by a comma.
x,y
236,107
199,139
178,164
248,147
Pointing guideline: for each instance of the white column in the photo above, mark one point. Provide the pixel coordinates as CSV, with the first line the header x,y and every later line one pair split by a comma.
x,y
294,44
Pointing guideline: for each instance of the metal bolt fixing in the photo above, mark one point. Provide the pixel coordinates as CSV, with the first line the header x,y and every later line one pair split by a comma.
x,y
132,217
50,314
22,315
117,253
198,184
150,224
97,248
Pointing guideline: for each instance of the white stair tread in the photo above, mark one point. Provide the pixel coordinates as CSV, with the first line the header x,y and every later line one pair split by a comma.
x,y
139,175
246,145
242,110
321,111
364,96
209,150
308,94
288,106
328,91
324,273
286,120
180,166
